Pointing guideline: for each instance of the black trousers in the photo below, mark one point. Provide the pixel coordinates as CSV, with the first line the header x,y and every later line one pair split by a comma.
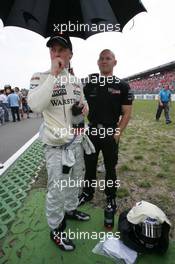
x,y
15,110
165,107
109,148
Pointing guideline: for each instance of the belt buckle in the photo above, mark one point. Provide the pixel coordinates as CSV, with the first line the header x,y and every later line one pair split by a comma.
x,y
99,126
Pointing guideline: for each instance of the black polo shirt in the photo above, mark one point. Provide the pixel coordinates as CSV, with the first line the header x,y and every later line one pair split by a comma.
x,y
105,97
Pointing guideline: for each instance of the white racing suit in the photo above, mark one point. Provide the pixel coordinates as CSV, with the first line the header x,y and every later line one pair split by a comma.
x,y
54,97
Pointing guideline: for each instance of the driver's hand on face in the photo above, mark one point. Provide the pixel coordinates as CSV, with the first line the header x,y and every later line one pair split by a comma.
x,y
57,65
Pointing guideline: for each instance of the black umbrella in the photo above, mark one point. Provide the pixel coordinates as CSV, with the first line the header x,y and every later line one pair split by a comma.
x,y
80,18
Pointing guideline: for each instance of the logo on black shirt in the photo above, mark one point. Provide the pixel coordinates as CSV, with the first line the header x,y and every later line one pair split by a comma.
x,y
113,91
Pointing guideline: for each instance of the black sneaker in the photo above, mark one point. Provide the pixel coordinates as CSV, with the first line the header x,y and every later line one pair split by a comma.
x,y
168,122
111,202
84,197
77,215
61,240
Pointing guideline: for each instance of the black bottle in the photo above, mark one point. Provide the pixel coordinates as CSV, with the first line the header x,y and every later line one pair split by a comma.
x,y
109,217
77,116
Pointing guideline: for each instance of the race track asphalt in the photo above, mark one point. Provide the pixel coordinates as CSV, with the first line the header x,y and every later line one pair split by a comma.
x,y
14,135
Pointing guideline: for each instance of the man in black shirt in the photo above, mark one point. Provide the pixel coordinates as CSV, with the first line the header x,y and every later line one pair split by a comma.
x,y
110,104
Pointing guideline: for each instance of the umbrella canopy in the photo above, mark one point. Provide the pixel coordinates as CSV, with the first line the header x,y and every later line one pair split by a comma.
x,y
48,16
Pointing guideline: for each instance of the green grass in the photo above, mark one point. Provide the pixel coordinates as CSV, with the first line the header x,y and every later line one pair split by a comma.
x,y
161,175
150,147
144,184
124,167
138,157
122,192
153,163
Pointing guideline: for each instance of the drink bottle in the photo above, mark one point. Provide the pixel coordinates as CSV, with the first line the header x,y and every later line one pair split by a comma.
x,y
77,116
109,217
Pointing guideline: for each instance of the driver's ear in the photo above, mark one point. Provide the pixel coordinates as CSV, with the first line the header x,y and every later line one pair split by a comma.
x,y
70,56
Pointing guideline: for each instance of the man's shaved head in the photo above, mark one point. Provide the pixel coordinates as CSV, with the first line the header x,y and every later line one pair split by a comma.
x,y
106,62
107,51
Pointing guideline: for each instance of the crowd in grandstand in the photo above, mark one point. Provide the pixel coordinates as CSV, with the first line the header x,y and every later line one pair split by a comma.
x,y
152,83
13,104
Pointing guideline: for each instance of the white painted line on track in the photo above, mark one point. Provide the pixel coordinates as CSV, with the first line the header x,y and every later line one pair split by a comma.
x,y
15,156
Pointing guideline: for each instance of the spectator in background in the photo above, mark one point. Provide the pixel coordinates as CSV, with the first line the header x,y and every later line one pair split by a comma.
x,y
25,107
4,105
17,91
1,115
7,89
164,100
14,103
